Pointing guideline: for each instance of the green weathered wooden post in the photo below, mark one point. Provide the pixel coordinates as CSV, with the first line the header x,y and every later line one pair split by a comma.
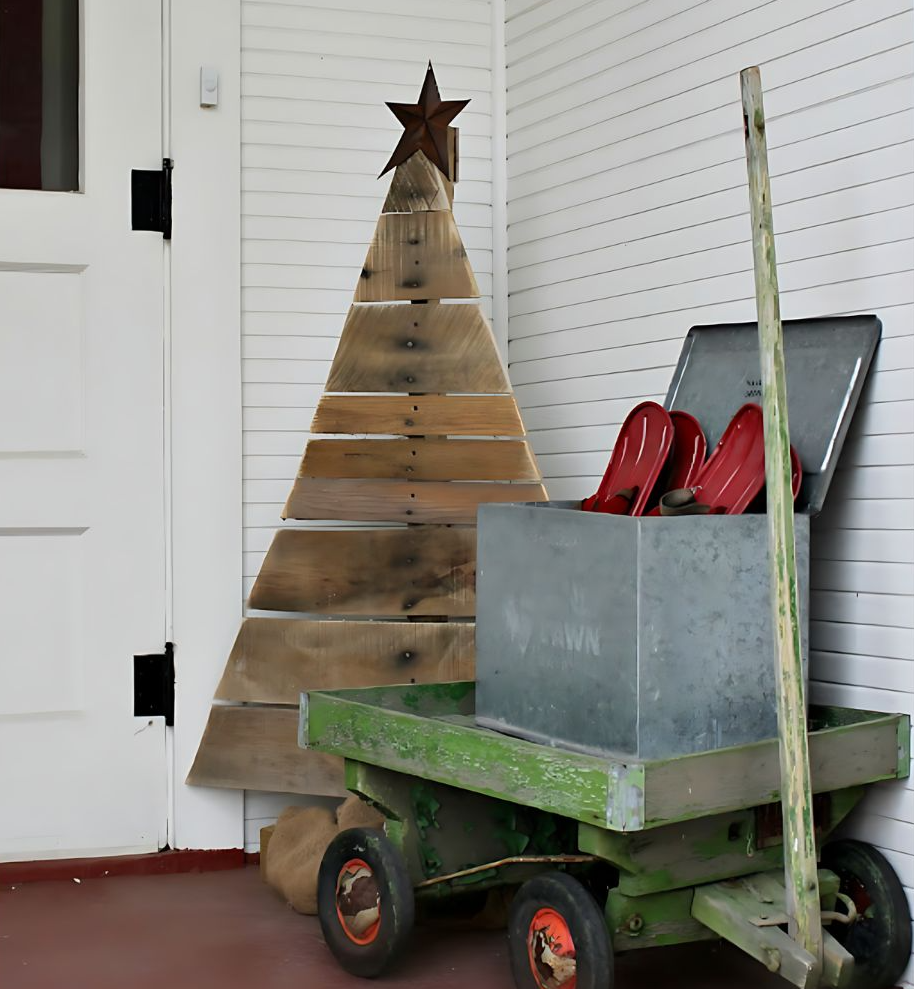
x,y
801,877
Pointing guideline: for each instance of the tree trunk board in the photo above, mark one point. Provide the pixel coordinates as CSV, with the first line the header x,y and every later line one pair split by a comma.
x,y
453,155
421,460
418,185
419,415
422,348
256,748
275,659
361,500
382,572
416,256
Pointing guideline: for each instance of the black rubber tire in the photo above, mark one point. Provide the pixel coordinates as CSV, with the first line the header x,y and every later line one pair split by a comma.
x,y
880,940
567,897
395,900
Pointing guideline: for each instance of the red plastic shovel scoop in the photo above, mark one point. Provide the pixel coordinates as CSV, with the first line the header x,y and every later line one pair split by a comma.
x,y
689,450
735,472
638,457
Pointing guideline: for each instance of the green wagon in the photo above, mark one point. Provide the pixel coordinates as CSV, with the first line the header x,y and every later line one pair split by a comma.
x,y
605,855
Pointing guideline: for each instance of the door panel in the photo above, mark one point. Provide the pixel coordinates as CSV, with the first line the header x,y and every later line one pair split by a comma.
x,y
81,468
41,362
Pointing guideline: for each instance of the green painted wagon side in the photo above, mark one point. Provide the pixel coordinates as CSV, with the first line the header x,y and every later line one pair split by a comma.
x,y
429,731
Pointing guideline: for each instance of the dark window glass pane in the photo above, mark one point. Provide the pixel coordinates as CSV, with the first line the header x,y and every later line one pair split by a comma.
x,y
39,94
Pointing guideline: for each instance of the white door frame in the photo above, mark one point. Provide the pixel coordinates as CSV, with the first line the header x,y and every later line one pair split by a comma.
x,y
203,394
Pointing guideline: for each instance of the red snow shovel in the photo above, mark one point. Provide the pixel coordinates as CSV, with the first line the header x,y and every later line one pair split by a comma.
x,y
734,473
689,450
638,457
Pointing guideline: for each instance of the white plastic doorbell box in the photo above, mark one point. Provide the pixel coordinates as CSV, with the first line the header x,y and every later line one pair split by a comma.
x,y
209,86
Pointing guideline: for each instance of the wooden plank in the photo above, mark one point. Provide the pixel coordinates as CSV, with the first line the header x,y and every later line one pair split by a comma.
x,y
275,659
801,875
418,348
383,572
730,909
416,256
361,500
663,918
430,731
421,459
567,783
419,415
418,185
453,155
727,779
256,748
701,850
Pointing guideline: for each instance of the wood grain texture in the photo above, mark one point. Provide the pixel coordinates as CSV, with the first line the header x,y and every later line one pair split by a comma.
x,y
416,256
256,748
382,572
800,865
421,459
453,154
275,659
417,186
418,348
727,779
419,415
361,500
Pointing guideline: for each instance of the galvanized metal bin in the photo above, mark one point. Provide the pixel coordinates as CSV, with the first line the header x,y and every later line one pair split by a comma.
x,y
652,637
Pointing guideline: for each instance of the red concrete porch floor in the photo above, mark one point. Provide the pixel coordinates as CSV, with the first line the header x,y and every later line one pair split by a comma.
x,y
228,930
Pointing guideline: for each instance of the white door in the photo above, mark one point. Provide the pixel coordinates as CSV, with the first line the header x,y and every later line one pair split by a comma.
x,y
82,573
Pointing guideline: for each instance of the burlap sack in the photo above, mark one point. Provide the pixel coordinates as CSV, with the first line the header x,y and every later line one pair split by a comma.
x,y
295,852
355,813
299,841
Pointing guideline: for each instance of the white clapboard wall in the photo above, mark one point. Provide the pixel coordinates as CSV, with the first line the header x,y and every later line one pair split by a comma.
x,y
315,134
628,223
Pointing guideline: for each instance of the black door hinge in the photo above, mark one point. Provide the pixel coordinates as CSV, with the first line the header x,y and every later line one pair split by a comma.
x,y
150,197
154,685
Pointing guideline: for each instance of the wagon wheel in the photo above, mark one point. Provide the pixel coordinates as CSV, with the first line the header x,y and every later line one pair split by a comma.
x,y
880,938
364,901
557,936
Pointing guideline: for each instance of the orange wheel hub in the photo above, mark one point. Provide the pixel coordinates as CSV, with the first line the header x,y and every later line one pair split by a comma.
x,y
358,902
550,948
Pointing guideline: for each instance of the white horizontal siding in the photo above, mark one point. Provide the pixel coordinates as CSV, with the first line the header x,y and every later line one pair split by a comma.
x,y
315,133
628,223
261,810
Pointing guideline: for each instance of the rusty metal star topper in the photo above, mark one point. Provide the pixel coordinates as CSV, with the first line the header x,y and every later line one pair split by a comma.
x,y
425,125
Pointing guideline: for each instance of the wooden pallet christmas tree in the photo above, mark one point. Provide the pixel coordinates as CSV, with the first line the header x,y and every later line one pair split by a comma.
x,y
382,605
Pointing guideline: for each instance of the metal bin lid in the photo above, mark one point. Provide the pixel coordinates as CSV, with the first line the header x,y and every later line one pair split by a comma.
x,y
827,361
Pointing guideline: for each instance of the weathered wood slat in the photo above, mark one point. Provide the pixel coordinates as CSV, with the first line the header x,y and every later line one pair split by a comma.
x,y
727,779
453,153
567,783
417,348
256,748
729,908
275,659
382,572
431,731
418,185
360,500
419,415
416,256
801,875
421,460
